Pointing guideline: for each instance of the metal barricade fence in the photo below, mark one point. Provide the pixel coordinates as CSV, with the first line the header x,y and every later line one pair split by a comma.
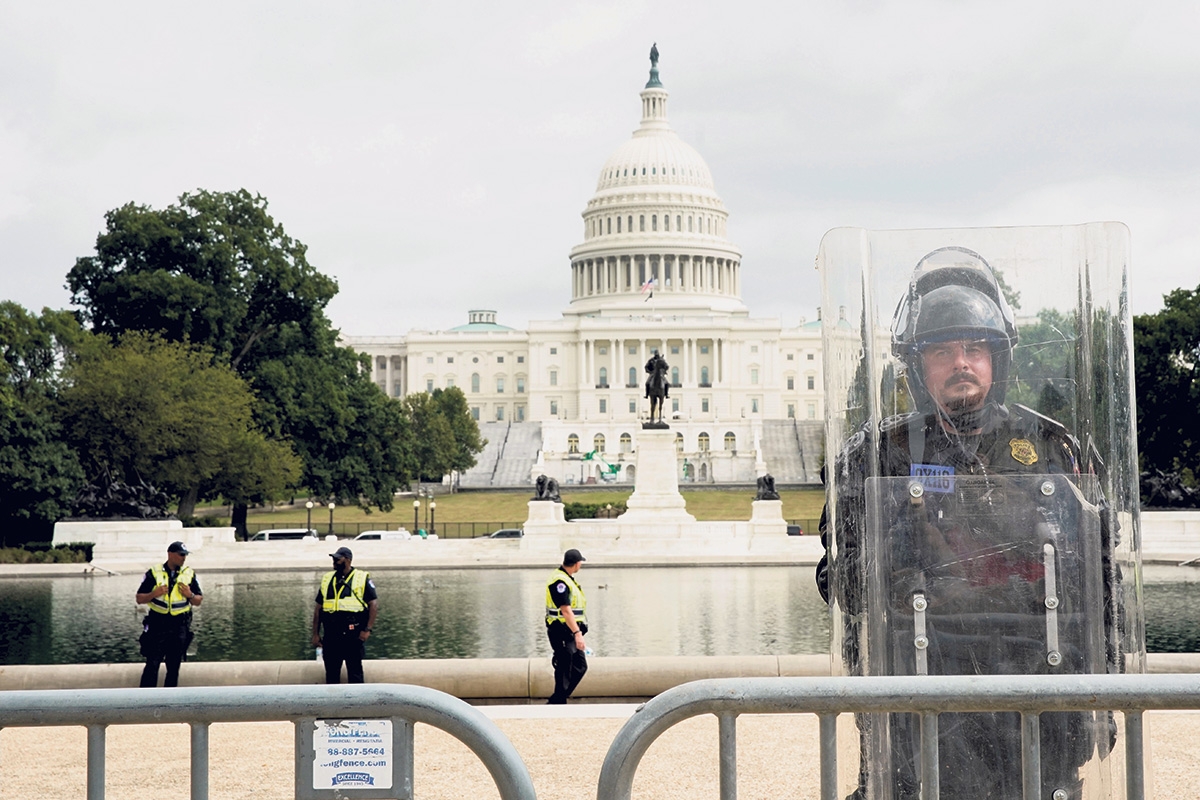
x,y
302,705
727,698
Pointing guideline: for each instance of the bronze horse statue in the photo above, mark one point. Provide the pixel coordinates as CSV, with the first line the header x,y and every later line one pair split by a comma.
x,y
657,385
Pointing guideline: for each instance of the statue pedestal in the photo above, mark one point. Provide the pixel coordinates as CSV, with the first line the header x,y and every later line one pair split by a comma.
x,y
656,497
544,512
766,516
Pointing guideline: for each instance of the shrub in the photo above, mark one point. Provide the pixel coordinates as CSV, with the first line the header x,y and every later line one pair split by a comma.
x,y
205,522
589,510
45,553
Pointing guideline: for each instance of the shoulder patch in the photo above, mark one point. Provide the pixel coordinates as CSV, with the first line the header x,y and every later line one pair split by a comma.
x,y
370,583
560,587
1049,425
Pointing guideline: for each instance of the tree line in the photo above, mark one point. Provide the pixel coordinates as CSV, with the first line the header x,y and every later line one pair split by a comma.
x,y
200,360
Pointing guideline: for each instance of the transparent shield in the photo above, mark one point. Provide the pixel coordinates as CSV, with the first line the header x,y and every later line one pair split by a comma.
x,y
954,356
985,575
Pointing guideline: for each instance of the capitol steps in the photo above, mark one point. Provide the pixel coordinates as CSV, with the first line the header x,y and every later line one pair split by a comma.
x,y
792,450
508,457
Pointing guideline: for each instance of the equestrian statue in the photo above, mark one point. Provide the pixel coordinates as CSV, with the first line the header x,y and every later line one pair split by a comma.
x,y
657,388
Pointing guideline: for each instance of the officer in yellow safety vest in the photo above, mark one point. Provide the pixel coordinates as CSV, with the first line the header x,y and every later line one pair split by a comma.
x,y
346,609
171,590
566,623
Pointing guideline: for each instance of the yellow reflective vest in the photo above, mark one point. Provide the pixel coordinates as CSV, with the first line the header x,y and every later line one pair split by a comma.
x,y
578,601
173,602
348,596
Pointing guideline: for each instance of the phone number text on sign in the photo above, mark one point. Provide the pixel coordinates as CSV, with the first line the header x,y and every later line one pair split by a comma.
x,y
351,753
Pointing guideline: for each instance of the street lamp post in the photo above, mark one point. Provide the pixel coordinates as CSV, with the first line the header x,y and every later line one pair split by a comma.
x,y
416,517
432,517
308,525
332,505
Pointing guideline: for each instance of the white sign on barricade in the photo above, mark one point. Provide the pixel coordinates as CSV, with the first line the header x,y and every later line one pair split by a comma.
x,y
352,754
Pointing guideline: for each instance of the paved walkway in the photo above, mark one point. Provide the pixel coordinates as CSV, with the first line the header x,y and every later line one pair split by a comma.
x,y
563,748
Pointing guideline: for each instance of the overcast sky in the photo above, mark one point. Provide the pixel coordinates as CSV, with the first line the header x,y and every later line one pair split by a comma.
x,y
436,156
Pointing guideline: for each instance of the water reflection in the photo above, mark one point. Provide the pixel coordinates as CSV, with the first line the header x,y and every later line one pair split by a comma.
x,y
474,613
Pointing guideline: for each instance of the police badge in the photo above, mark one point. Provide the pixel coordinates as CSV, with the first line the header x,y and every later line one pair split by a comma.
x,y
1023,451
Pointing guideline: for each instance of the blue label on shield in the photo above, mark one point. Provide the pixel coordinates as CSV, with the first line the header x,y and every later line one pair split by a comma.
x,y
934,477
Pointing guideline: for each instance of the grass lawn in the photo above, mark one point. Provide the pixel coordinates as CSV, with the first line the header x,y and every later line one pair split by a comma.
x,y
512,507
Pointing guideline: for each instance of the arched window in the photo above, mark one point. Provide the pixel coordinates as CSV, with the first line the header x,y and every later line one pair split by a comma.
x,y
629,223
618,224
626,443
604,376
730,441
703,472
679,443
633,376
598,443
572,444
666,222
689,223
654,222
704,376
678,220
475,382
641,222
674,376
610,224
702,443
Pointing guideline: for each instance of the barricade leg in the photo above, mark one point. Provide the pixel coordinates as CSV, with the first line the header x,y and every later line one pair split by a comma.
x,y
727,736
95,762
199,760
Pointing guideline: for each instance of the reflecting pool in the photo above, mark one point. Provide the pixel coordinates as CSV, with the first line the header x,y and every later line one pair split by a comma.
x,y
475,613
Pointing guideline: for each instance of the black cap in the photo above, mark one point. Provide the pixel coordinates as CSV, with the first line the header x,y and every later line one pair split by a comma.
x,y
342,552
177,547
572,556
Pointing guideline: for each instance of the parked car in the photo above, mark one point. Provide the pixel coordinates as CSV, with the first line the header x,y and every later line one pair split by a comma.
x,y
383,535
795,530
507,533
282,534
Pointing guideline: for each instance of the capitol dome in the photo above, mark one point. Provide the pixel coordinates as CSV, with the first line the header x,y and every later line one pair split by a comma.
x,y
655,225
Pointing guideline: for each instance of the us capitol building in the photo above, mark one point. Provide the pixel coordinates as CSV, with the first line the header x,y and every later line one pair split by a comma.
x,y
655,271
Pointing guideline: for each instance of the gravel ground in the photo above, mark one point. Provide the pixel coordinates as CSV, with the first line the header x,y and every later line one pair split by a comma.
x,y
562,748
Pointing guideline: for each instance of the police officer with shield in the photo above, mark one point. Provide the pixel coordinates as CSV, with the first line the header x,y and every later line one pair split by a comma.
x,y
971,537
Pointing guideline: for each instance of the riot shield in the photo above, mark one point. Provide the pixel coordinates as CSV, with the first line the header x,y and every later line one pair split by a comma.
x,y
984,575
1043,315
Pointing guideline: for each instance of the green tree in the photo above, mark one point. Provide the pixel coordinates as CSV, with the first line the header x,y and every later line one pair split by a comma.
x,y
149,409
40,474
1167,371
217,270
452,405
355,442
434,446
1043,370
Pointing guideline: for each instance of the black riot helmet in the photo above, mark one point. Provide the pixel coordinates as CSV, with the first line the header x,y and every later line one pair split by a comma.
x,y
953,295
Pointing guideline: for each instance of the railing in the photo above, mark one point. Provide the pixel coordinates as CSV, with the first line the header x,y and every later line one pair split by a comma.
x,y
348,530
449,530
727,698
302,705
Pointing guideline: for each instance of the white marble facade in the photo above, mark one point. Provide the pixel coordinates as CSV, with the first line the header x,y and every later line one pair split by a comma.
x,y
655,270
